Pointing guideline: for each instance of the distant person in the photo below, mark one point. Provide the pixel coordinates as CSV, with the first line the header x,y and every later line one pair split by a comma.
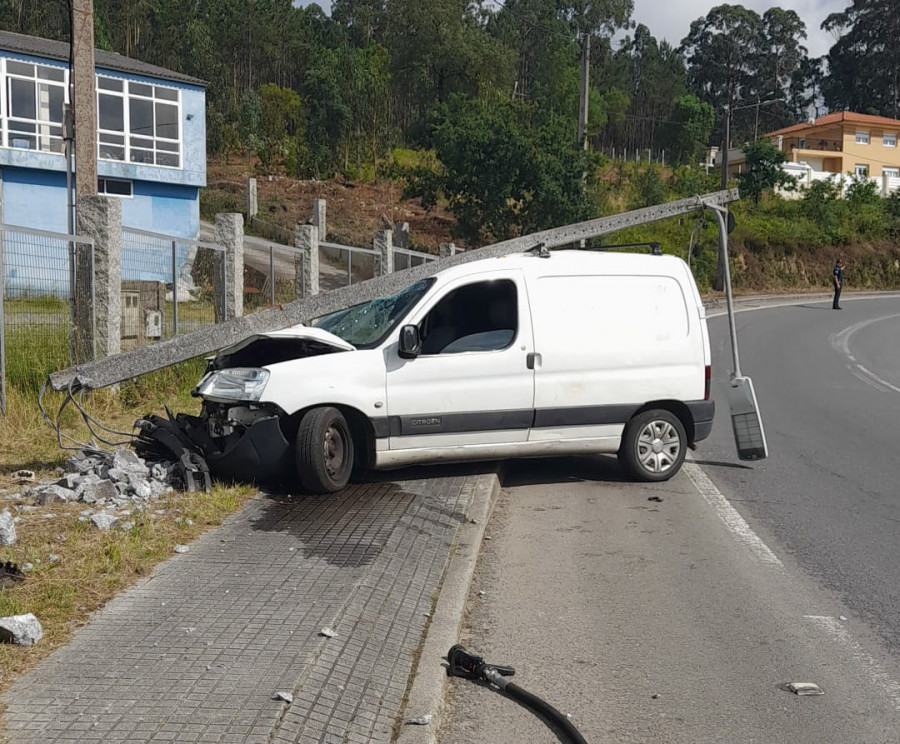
x,y
837,277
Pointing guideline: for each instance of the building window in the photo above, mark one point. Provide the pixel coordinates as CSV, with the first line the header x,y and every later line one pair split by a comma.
x,y
861,171
891,172
802,143
889,139
862,136
34,99
138,122
114,187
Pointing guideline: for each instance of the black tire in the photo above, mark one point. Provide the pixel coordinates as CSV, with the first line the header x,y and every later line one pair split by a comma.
x,y
653,446
324,451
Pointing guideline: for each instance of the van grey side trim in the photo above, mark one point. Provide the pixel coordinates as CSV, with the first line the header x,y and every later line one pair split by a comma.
x,y
548,418
544,418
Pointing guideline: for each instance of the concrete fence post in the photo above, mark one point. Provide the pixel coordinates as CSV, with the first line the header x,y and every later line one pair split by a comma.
x,y
401,235
306,238
99,328
319,218
230,235
252,199
447,250
384,244
885,185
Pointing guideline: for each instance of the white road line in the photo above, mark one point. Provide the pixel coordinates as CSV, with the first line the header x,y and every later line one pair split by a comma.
x,y
881,679
730,517
841,343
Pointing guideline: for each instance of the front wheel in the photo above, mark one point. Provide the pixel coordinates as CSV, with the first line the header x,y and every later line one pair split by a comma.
x,y
324,451
653,445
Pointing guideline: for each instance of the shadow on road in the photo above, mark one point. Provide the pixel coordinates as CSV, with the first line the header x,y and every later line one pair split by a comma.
x,y
562,470
717,464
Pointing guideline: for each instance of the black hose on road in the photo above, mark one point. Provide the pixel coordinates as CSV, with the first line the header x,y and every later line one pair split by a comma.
x,y
463,664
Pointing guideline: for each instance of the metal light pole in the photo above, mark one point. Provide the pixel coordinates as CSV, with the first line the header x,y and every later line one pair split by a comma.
x,y
749,435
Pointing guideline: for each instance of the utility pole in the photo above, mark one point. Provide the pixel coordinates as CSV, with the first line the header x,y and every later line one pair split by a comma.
x,y
584,99
85,98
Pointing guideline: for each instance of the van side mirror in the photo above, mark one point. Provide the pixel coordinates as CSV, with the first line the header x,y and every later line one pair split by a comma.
x,y
410,342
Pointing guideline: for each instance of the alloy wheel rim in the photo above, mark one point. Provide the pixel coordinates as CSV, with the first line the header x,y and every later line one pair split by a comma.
x,y
658,446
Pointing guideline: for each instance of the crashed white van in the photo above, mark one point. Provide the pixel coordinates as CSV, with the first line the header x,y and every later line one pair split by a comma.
x,y
528,355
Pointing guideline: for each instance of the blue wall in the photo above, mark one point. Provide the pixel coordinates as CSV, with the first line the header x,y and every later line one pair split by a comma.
x,y
37,199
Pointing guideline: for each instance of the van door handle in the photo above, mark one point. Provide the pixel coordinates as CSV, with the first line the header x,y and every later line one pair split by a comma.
x,y
533,360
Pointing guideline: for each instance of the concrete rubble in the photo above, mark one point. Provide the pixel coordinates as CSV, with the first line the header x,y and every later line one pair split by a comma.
x,y
105,481
22,630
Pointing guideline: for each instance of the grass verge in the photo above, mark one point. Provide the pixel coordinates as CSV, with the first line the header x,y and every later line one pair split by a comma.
x,y
78,568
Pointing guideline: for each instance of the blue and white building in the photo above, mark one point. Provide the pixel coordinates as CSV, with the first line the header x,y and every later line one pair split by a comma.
x,y
151,138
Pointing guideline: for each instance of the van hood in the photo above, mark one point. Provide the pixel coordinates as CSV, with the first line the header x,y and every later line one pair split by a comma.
x,y
263,349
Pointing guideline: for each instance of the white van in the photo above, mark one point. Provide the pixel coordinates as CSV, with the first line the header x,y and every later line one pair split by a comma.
x,y
575,352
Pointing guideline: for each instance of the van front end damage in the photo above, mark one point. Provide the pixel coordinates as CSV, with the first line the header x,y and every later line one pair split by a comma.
x,y
234,442
236,437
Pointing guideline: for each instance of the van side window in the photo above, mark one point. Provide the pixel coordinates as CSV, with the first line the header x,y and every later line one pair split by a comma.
x,y
477,317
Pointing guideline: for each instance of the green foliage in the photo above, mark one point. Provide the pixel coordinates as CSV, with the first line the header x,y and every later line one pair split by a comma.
x,y
279,139
507,169
648,188
691,180
687,132
764,171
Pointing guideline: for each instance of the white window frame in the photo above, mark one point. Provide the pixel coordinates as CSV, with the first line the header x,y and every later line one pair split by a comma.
x,y
861,170
126,95
5,110
889,139
862,137
890,171
101,186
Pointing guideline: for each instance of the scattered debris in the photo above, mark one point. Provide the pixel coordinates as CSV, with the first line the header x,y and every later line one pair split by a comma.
x,y
804,688
22,630
421,720
104,520
23,476
843,619
10,573
181,548
7,528
655,498
327,632
655,696
481,592
285,697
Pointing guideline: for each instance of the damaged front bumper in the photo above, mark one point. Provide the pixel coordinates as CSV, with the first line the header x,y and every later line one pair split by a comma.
x,y
235,443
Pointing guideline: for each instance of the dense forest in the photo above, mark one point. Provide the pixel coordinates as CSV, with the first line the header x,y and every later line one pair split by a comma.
x,y
334,93
484,94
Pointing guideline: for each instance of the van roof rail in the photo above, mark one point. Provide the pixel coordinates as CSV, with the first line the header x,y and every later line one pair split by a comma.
x,y
655,247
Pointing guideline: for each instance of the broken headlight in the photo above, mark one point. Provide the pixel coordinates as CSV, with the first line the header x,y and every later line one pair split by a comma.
x,y
238,383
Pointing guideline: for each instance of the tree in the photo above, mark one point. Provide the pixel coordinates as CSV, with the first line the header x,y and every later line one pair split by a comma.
x,y
722,53
690,125
764,171
508,170
864,63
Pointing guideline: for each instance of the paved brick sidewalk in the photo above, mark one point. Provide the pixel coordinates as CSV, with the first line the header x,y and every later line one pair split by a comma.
x,y
197,652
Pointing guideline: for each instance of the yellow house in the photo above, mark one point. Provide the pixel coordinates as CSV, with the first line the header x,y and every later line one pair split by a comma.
x,y
844,142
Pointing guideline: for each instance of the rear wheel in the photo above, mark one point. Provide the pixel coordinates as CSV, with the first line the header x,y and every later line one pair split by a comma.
x,y
324,451
653,445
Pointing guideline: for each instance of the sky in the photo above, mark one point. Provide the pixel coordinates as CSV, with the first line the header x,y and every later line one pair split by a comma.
x,y
671,19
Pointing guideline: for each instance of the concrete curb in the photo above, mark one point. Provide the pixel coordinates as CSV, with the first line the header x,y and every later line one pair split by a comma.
x,y
426,693
717,306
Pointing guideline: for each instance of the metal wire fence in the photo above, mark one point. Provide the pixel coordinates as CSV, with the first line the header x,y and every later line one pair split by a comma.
x,y
273,273
342,265
47,307
170,286
405,258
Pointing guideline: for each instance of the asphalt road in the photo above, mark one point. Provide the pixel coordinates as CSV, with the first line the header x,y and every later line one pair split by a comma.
x,y
828,384
675,620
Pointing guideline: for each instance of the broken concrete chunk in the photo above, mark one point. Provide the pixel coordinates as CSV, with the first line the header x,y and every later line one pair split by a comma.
x,y
93,492
421,720
23,476
285,696
7,528
52,494
70,481
128,461
22,630
105,520
181,548
117,475
327,632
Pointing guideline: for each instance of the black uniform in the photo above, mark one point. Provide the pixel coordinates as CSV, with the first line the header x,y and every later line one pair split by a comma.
x,y
838,279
